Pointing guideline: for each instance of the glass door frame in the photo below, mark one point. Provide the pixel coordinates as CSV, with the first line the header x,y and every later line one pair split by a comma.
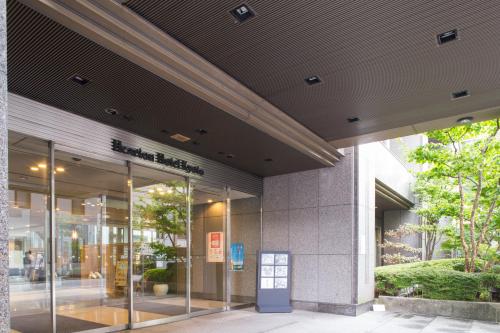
x,y
227,283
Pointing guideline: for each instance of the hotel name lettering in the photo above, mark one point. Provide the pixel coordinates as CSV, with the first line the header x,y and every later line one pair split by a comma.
x,y
160,158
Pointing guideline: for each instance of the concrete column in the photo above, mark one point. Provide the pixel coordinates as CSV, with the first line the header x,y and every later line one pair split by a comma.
x,y
4,195
316,215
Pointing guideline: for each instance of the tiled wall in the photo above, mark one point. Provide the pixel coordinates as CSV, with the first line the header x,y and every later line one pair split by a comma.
x,y
313,215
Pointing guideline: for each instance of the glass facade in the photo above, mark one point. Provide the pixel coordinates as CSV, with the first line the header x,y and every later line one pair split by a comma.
x,y
133,245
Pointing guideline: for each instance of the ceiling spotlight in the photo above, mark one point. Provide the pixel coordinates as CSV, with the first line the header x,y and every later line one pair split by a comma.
x,y
34,168
210,201
179,137
60,169
79,79
221,153
111,111
201,131
353,119
465,120
459,94
242,13
268,160
42,165
312,80
447,36
230,155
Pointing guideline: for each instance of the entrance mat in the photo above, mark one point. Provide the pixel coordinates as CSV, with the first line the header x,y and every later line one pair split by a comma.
x,y
39,323
160,308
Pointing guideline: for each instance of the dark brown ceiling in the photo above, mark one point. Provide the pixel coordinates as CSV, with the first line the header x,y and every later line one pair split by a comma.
x,y
378,59
42,55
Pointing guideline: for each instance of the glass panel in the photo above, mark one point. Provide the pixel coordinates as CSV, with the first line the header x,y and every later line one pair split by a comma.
x,y
159,234
208,218
245,242
91,243
29,280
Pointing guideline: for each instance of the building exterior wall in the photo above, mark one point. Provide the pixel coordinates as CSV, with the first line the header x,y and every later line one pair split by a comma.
x,y
314,215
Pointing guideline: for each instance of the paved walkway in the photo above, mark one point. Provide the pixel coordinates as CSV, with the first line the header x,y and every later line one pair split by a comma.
x,y
248,321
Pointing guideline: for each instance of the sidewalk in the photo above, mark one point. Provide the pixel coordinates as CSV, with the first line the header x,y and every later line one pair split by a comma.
x,y
249,321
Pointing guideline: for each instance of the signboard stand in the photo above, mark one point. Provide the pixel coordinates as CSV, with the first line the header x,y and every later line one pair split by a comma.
x,y
273,281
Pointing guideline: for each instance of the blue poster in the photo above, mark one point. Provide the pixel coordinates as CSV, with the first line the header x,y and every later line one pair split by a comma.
x,y
237,256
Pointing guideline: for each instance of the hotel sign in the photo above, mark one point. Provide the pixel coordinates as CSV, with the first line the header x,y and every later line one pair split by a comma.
x,y
160,158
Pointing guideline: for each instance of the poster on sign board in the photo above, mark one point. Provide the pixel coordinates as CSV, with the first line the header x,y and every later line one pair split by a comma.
x,y
237,257
215,246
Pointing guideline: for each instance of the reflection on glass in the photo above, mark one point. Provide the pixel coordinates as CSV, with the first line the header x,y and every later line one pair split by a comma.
x,y
208,218
267,271
245,230
281,259
29,279
91,243
159,248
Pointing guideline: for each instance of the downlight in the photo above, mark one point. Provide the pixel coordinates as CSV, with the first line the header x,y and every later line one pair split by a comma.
x,y
353,119
447,36
312,80
465,120
79,80
242,13
459,94
181,138
111,111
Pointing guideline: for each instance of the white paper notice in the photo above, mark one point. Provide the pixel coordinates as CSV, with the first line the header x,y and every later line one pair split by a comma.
x,y
266,283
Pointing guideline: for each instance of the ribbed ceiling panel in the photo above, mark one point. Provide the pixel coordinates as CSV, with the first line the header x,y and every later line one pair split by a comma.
x,y
42,55
379,60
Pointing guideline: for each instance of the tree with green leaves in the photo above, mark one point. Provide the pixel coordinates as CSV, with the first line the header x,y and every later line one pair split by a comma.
x,y
462,181
163,209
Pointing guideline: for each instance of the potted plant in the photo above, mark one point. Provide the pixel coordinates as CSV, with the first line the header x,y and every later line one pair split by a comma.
x,y
159,277
163,208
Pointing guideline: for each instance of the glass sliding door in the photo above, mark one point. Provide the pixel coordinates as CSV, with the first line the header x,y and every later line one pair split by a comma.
x,y
208,247
29,272
245,242
159,244
91,212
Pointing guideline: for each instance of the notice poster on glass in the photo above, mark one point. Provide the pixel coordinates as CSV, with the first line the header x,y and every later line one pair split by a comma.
x,y
237,257
215,246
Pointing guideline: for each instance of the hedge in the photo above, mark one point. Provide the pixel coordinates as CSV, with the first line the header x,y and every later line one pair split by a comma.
x,y
159,275
437,279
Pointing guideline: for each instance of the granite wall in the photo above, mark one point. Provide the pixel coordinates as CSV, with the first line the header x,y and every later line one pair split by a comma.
x,y
4,211
314,214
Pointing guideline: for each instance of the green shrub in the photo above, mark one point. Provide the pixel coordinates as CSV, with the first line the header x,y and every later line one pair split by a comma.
x,y
436,279
495,269
159,275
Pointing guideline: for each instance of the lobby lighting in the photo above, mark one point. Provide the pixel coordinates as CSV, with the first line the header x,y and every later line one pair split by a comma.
x,y
210,201
60,169
179,137
312,80
465,120
242,13
42,165
74,235
447,36
459,94
79,80
34,168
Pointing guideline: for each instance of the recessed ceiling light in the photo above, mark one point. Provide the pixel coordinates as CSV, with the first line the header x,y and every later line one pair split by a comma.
x,y
42,165
179,137
459,94
268,160
465,120
353,119
201,131
447,36
34,168
230,155
60,169
79,79
210,201
111,111
312,80
242,13
221,153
